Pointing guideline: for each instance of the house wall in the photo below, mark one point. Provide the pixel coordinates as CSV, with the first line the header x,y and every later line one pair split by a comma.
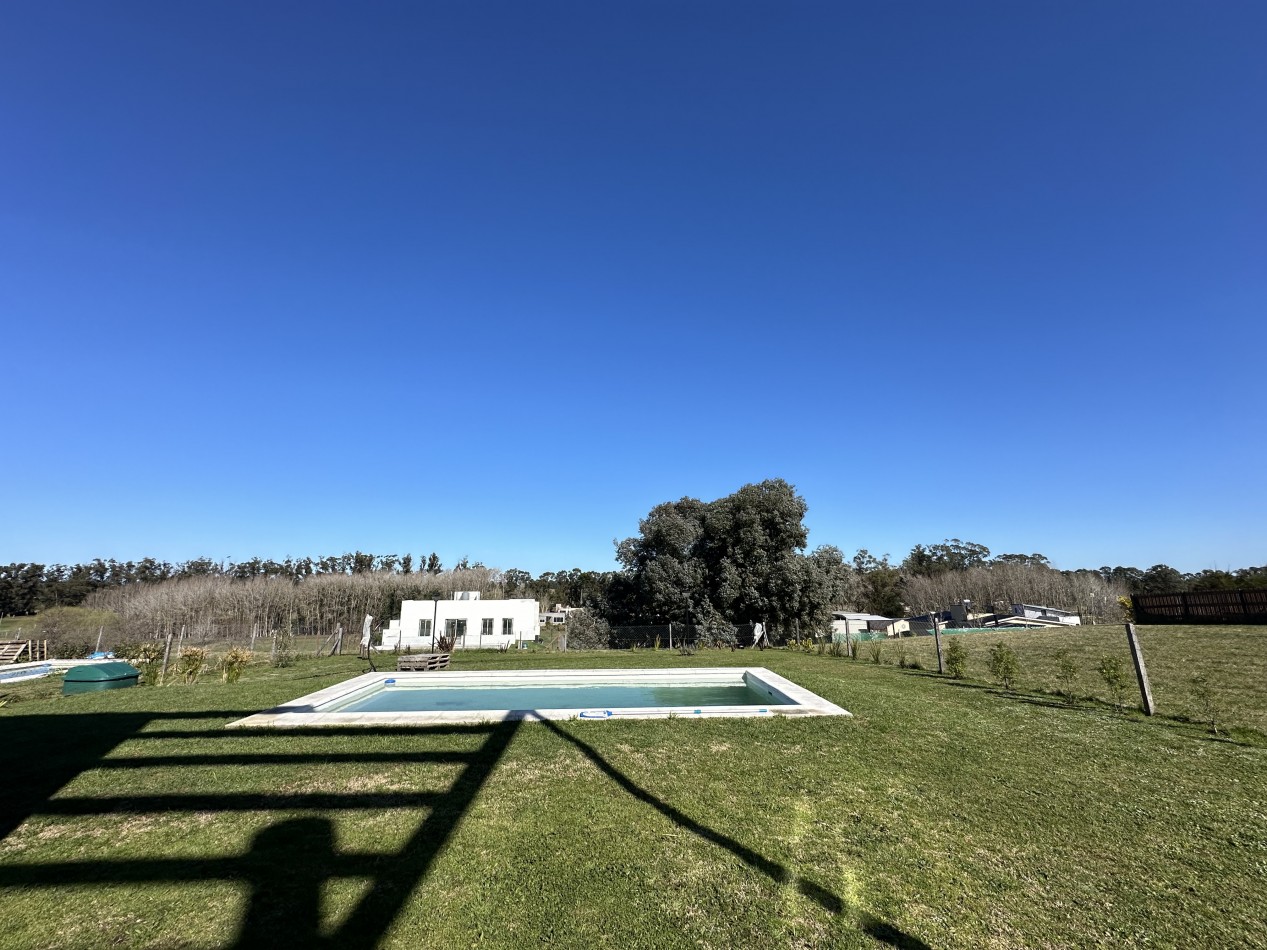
x,y
522,612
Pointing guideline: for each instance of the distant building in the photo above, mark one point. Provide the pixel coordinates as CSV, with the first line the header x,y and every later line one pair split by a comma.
x,y
556,616
843,621
1045,614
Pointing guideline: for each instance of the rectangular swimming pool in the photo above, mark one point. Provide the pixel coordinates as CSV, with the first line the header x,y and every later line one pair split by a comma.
x,y
377,699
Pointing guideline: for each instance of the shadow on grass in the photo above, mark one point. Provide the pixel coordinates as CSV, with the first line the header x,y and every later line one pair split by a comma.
x,y
829,901
288,863
292,860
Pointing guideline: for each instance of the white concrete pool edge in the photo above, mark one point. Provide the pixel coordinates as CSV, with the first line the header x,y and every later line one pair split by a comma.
x,y
304,711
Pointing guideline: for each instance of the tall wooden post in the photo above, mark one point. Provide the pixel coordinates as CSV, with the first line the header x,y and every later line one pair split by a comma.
x,y
162,676
1137,656
100,632
941,660
848,640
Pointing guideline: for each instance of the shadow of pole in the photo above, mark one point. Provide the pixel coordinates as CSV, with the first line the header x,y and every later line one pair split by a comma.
x,y
871,925
772,869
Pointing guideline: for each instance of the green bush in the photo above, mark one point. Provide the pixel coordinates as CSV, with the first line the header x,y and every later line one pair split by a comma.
x,y
587,631
1113,672
875,650
1004,666
1066,675
150,661
956,658
127,649
718,635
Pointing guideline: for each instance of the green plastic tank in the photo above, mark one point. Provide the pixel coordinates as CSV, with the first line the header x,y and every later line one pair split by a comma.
x,y
99,676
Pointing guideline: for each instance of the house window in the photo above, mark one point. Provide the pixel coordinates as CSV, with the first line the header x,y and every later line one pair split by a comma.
x,y
424,629
486,627
508,627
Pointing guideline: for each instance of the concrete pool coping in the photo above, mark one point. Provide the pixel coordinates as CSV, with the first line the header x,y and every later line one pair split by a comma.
x,y
306,710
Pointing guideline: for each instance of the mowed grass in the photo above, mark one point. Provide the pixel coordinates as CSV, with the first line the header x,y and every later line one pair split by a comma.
x,y
944,814
1233,661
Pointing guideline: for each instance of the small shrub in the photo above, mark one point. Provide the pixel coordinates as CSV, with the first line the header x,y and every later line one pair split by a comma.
x,y
190,663
283,649
903,655
875,650
127,649
956,659
1208,705
685,648
1004,666
718,635
1066,675
1113,672
585,631
232,664
835,648
853,649
656,646
915,664
150,661
1127,607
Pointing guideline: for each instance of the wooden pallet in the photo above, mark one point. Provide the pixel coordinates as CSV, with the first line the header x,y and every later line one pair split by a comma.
x,y
422,662
12,651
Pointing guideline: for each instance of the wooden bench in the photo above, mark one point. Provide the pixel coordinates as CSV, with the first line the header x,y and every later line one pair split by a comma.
x,y
422,662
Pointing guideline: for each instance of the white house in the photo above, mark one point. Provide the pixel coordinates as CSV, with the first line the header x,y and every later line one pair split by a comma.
x,y
558,615
472,621
1046,614
843,621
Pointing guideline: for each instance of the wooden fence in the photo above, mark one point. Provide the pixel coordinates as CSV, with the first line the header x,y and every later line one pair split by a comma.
x,y
1242,607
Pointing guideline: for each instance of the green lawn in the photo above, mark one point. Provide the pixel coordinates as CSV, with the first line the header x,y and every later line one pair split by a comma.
x,y
945,814
10,627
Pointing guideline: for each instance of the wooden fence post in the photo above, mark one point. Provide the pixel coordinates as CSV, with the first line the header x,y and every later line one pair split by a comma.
x,y
848,640
1137,656
941,661
162,677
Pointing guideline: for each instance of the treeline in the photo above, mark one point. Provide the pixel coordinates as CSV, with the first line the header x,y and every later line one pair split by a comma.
x,y
28,588
738,559
226,607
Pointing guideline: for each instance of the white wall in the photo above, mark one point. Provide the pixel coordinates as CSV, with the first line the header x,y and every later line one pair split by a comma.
x,y
521,612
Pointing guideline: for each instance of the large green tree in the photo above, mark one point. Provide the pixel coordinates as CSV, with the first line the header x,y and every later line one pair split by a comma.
x,y
736,559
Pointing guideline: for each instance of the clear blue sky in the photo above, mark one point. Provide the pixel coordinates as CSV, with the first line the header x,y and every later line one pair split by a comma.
x,y
493,279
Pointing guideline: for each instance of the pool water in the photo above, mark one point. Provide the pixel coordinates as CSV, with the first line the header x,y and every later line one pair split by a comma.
x,y
396,698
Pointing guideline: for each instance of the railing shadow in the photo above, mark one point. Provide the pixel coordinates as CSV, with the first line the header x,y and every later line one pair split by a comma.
x,y
288,862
